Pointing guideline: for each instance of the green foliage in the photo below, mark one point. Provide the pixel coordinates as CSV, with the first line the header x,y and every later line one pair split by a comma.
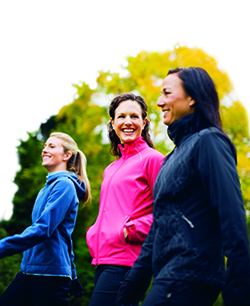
x,y
29,179
85,119
85,272
9,266
219,301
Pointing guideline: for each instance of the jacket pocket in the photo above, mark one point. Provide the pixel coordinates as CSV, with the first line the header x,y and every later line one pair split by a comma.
x,y
121,233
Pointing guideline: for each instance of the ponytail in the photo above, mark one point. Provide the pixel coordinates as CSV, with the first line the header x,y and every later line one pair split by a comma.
x,y
80,170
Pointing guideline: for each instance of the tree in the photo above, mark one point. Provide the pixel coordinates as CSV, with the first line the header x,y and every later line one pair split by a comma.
x,y
144,74
235,124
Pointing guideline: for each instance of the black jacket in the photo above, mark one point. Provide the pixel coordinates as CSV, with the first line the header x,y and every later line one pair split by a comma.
x,y
199,217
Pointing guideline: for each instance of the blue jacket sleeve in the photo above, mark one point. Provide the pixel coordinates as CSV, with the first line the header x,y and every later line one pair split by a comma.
x,y
73,267
57,206
216,165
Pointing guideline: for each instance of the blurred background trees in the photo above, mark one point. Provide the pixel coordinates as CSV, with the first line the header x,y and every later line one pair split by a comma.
x,y
86,118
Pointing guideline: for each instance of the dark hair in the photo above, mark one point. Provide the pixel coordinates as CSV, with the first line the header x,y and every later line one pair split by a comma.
x,y
114,139
198,84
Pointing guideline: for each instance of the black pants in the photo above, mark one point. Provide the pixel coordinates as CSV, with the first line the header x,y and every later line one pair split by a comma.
x,y
179,293
29,290
108,279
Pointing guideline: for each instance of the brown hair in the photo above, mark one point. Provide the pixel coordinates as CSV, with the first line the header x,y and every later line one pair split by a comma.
x,y
114,139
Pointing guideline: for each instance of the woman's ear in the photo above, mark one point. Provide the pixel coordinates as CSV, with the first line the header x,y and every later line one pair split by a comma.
x,y
191,102
144,122
67,156
112,122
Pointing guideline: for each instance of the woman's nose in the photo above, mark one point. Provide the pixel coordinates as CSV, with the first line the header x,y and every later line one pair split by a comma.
x,y
128,120
160,101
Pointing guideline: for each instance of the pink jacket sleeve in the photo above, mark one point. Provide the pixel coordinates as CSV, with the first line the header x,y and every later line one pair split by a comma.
x,y
138,228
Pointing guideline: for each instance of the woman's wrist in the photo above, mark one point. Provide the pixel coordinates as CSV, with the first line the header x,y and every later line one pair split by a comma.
x,y
125,232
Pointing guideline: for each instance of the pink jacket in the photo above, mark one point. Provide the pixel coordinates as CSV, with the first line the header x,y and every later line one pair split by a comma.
x,y
126,201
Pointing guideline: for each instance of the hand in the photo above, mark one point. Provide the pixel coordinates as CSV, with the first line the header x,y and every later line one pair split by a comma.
x,y
131,292
124,293
76,288
125,232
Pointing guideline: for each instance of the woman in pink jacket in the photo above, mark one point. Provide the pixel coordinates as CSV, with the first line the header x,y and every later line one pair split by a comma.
x,y
125,212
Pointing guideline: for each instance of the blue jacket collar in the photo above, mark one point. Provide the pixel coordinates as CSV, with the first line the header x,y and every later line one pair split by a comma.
x,y
80,186
54,175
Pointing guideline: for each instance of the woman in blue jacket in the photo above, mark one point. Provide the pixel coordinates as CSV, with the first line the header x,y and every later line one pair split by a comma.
x,y
48,274
199,219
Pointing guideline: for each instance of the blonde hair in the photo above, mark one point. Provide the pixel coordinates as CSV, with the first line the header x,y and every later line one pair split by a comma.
x,y
76,163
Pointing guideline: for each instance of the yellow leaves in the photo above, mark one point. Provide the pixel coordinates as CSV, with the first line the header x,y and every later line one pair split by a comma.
x,y
146,68
243,168
144,74
235,122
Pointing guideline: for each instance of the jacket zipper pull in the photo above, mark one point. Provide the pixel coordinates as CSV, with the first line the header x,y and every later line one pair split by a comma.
x,y
188,221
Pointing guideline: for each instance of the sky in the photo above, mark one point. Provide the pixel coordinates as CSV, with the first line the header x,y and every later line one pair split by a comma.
x,y
46,46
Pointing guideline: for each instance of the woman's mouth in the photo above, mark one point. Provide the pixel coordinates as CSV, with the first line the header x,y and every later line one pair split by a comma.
x,y
128,131
46,156
166,111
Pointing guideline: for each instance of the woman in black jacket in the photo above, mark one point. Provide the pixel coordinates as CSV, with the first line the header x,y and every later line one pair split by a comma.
x,y
198,243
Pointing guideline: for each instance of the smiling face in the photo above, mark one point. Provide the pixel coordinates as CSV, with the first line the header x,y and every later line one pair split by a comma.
x,y
174,101
128,123
53,155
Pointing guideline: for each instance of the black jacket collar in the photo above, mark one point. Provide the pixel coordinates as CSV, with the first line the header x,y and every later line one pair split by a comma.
x,y
180,129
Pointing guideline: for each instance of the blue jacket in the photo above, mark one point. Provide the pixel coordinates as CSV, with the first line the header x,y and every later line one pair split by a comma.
x,y
47,243
199,217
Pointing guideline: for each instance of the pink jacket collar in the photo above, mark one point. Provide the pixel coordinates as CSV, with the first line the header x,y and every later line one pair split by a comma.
x,y
133,147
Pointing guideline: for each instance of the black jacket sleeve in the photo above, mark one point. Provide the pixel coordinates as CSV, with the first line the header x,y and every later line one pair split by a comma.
x,y
216,165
